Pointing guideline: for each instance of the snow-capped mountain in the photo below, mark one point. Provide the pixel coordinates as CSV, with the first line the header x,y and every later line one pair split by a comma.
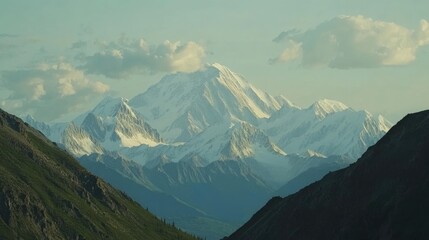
x,y
214,114
110,126
114,124
78,142
70,136
327,127
209,139
52,131
182,105
217,142
325,107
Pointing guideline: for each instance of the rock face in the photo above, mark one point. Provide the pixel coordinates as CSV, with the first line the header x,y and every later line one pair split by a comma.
x,y
384,195
46,194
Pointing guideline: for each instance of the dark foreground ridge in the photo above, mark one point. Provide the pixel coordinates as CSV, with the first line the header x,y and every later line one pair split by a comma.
x,y
46,194
384,195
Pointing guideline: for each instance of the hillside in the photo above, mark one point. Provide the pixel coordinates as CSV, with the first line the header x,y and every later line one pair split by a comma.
x,y
46,194
384,195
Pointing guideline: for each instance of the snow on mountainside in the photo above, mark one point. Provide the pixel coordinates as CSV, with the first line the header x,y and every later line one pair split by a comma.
x,y
114,124
78,142
324,107
285,103
327,127
182,105
215,114
217,142
52,131
111,125
238,141
248,141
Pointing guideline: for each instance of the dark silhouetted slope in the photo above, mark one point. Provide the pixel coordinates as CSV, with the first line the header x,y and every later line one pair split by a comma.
x,y
384,195
46,194
307,177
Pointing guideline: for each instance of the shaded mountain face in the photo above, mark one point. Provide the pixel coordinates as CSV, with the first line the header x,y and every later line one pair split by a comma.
x,y
46,194
133,179
219,196
307,177
226,190
384,195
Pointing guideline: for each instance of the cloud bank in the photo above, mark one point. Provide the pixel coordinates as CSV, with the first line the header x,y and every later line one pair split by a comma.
x,y
124,58
353,42
49,91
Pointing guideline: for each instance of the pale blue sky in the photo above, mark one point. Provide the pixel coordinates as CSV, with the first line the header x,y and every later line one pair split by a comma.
x,y
238,34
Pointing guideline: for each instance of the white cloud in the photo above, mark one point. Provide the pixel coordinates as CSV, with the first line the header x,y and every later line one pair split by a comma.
x,y
291,53
49,91
126,57
354,42
39,91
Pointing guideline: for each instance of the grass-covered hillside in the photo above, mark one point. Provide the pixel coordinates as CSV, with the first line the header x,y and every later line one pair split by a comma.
x,y
46,194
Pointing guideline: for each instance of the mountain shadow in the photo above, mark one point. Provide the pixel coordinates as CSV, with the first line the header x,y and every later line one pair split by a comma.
x,y
384,195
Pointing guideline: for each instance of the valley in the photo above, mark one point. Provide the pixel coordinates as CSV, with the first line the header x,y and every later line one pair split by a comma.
x,y
211,148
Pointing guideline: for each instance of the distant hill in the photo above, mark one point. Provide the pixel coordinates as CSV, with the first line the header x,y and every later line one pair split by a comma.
x,y
46,194
384,195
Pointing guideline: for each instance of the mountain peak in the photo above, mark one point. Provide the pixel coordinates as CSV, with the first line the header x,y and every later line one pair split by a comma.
x,y
110,106
230,79
220,67
285,103
324,107
384,124
311,153
112,100
188,103
224,71
114,124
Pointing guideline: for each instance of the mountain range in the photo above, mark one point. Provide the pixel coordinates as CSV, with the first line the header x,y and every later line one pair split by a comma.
x,y
209,139
181,106
383,195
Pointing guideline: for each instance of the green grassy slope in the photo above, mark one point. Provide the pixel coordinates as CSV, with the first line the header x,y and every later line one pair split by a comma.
x,y
46,194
